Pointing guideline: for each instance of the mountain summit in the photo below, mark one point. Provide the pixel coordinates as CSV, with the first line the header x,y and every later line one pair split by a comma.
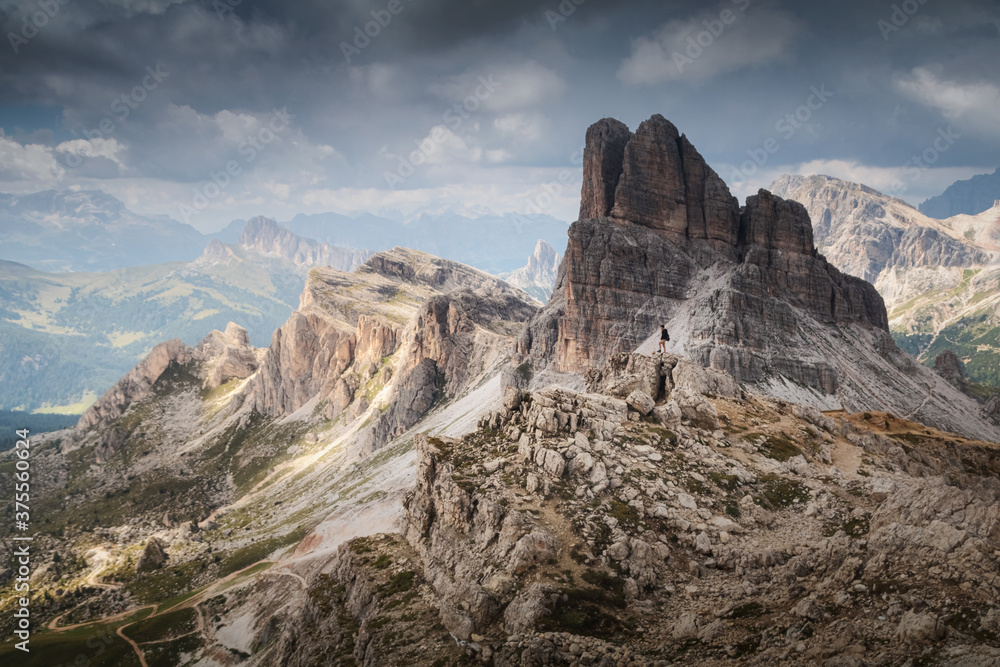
x,y
743,290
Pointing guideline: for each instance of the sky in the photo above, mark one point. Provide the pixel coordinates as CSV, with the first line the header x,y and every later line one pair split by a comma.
x,y
214,110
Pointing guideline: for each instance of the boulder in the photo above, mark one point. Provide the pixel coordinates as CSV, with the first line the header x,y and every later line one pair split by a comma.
x,y
919,628
641,402
153,556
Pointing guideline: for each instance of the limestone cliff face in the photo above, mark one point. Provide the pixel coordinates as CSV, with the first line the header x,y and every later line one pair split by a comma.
x,y
936,276
400,332
743,290
665,184
864,232
266,237
671,220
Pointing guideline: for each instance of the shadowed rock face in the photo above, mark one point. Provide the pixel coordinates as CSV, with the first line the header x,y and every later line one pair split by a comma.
x,y
666,185
603,162
671,219
742,290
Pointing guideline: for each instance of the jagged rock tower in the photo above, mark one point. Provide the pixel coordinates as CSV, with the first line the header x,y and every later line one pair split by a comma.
x,y
660,239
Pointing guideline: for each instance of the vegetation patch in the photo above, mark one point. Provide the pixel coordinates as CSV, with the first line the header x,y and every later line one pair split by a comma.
x,y
586,611
780,448
165,626
776,492
400,582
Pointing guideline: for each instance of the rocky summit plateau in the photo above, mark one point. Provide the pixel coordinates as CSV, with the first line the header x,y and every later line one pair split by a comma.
x,y
425,466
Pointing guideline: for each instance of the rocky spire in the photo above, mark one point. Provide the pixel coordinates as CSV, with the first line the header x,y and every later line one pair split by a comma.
x,y
742,290
603,159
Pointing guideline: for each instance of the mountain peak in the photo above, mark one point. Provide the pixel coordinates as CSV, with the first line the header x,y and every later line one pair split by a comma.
x,y
969,197
263,232
741,290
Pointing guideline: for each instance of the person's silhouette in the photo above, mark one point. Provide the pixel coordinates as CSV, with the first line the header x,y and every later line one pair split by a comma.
x,y
664,337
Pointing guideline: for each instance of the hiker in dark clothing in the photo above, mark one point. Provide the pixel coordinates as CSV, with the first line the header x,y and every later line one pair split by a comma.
x,y
664,337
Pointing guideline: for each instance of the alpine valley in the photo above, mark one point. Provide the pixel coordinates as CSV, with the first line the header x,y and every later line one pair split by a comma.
x,y
426,466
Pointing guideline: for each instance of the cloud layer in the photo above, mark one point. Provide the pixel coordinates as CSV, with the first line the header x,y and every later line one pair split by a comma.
x,y
472,105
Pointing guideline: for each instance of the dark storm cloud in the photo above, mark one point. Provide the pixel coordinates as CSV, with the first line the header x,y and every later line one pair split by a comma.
x,y
898,72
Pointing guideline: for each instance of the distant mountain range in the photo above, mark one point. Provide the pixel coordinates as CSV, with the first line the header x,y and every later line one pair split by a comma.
x,y
940,278
67,337
969,197
89,231
93,231
492,243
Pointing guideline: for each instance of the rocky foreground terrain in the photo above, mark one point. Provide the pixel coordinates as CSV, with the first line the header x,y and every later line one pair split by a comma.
x,y
424,468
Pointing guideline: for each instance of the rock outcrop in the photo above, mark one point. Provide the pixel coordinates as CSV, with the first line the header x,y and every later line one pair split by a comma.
x,y
406,328
153,556
949,366
226,356
589,519
603,161
743,290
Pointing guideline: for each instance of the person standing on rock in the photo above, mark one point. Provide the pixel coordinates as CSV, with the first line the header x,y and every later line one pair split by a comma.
x,y
664,337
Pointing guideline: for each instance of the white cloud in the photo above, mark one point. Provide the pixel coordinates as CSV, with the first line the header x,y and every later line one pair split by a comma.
x,y
504,88
503,189
29,162
711,43
522,127
91,148
971,104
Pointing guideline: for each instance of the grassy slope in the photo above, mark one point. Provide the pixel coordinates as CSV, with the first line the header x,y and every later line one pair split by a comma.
x,y
963,319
